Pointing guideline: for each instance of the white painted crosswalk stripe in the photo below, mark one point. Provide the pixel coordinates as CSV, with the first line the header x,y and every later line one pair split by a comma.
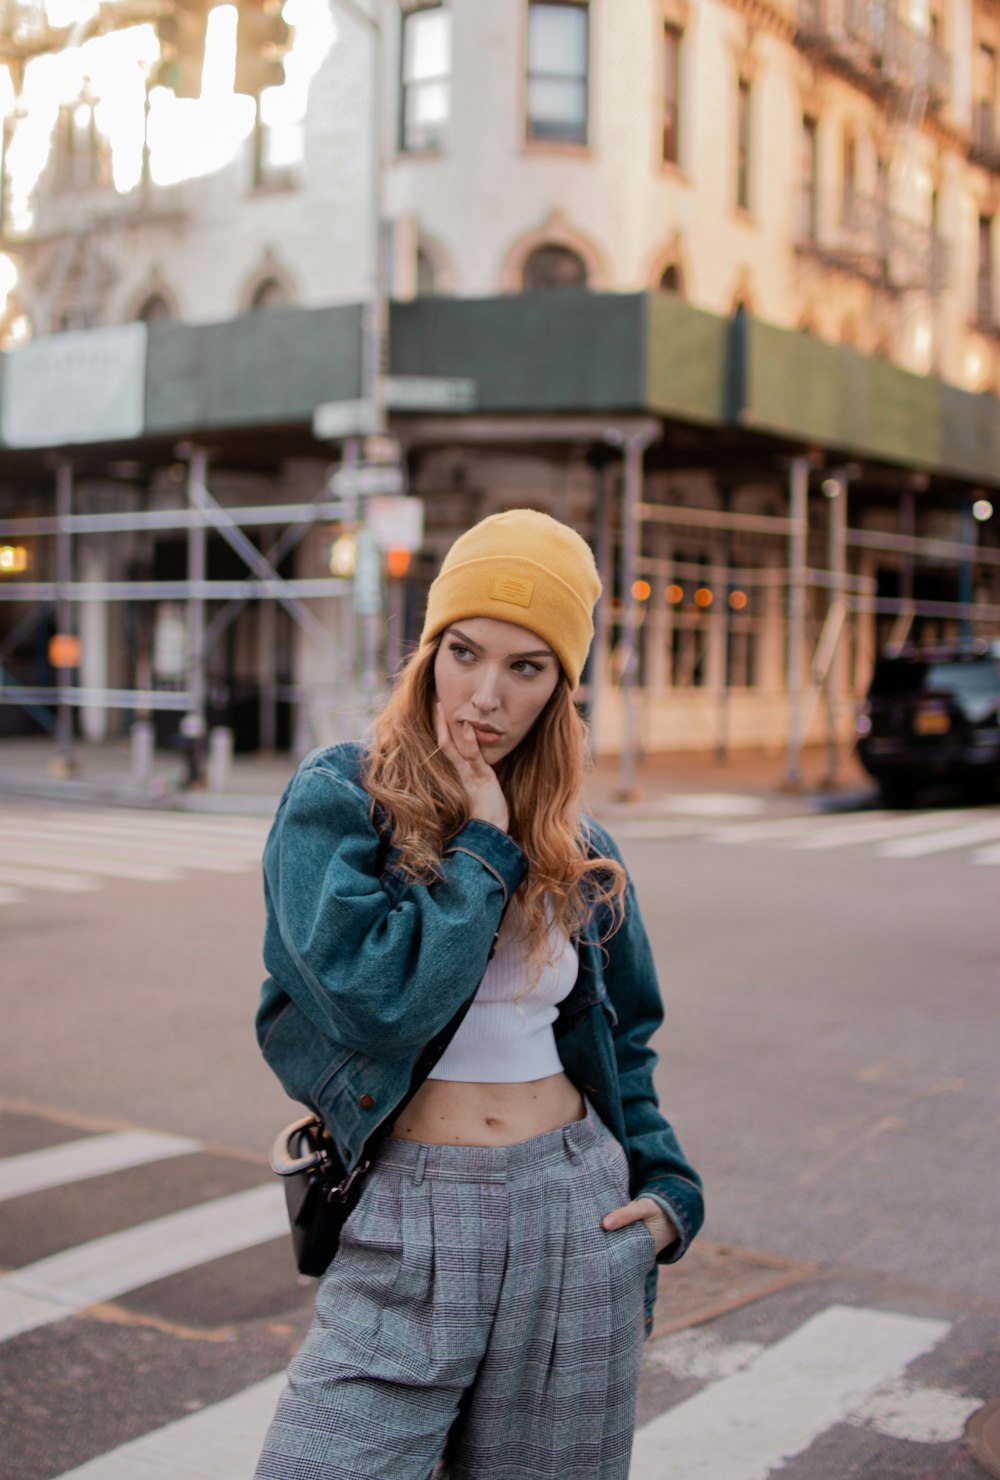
x,y
763,1405
746,1425
892,835
219,1443
861,830
65,844
108,1267
88,861
237,844
91,1156
54,880
938,842
68,851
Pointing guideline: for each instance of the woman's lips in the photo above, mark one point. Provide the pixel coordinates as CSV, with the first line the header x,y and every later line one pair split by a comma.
x,y
487,737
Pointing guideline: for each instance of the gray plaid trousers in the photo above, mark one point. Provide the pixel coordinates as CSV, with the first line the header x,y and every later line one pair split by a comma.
x,y
476,1300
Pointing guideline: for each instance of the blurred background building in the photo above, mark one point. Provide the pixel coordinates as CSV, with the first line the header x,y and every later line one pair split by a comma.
x,y
714,280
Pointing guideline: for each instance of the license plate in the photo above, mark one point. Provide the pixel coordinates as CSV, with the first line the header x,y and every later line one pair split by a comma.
x,y
931,723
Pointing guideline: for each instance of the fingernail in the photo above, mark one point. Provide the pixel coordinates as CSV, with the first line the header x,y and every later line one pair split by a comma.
x,y
611,1223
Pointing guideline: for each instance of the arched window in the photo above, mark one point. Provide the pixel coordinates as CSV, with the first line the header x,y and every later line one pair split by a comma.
x,y
268,294
553,266
154,310
670,279
426,273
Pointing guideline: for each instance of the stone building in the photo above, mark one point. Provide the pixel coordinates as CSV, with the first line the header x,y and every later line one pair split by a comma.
x,y
712,279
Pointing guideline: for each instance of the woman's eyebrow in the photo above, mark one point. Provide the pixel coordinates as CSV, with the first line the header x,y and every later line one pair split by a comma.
x,y
457,632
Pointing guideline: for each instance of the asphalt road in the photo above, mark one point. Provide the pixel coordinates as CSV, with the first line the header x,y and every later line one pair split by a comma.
x,y
829,1060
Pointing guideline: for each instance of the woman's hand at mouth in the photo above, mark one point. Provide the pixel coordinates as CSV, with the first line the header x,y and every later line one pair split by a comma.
x,y
461,745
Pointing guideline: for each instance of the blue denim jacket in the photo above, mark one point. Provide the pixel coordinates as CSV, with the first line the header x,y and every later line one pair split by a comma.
x,y
365,967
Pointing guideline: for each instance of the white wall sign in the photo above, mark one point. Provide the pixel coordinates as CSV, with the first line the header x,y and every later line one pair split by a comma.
x,y
396,523
87,386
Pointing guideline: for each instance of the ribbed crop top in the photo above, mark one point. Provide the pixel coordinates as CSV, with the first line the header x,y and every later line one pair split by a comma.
x,y
506,1036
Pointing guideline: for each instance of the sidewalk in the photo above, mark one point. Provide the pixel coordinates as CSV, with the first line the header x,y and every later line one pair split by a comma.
x,y
662,782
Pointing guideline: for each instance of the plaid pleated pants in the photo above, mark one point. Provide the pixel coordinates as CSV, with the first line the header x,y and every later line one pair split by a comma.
x,y
475,1301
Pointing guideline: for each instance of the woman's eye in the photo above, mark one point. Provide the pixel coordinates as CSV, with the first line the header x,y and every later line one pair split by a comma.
x,y
527,664
457,649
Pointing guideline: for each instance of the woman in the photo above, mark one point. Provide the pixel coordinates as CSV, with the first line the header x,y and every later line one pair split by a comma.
x,y
489,1286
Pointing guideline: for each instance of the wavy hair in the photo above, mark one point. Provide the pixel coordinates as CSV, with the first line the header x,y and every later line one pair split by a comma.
x,y
416,796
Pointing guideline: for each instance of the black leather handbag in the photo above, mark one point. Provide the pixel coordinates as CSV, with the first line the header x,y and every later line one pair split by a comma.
x,y
320,1193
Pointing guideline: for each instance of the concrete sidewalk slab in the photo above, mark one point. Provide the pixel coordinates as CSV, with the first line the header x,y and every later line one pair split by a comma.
x,y
743,784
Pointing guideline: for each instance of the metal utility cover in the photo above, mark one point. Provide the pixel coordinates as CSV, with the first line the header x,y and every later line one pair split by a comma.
x,y
982,1433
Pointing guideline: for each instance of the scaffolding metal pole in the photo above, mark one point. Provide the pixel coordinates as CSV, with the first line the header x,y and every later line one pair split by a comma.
x,y
837,554
65,760
798,496
634,448
193,724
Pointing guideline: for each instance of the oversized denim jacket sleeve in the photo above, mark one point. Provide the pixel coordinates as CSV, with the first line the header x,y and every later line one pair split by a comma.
x,y
379,969
659,1168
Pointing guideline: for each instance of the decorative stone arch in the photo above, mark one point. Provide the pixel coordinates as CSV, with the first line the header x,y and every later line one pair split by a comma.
x,y
556,232
270,286
153,302
438,265
743,296
668,272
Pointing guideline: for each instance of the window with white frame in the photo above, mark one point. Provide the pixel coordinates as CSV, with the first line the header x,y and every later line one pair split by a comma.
x,y
558,71
425,78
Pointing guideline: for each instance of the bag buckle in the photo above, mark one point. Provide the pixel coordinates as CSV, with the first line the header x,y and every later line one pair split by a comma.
x,y
343,1188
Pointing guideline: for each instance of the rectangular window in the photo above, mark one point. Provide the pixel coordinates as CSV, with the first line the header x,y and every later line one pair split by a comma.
x,y
425,90
849,181
671,94
983,121
984,274
743,145
810,178
558,68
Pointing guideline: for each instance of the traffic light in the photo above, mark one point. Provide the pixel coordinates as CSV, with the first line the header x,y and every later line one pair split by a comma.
x,y
262,38
182,47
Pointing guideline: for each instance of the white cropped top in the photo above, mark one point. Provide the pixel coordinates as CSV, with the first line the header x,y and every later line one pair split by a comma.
x,y
506,1036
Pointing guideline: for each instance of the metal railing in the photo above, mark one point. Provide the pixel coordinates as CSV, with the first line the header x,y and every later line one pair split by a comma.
x,y
869,37
859,233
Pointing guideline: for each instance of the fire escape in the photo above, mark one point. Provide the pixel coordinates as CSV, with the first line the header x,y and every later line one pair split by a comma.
x,y
906,73
75,248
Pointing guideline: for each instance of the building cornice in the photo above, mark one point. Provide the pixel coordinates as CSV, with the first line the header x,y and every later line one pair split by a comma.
x,y
764,15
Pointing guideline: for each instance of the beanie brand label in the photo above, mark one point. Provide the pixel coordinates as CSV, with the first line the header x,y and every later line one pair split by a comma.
x,y
517,590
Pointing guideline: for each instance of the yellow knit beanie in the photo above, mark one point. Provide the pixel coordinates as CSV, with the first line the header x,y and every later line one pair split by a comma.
x,y
523,567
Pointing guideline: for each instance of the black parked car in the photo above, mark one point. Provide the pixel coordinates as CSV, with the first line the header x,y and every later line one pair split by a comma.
x,y
933,714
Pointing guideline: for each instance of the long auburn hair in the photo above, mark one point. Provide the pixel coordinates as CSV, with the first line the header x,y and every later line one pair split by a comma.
x,y
423,804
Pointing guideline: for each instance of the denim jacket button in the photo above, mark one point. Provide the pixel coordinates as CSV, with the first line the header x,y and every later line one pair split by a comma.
x,y
367,1102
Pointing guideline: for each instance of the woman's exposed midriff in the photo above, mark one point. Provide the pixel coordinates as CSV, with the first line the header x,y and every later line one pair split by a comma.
x,y
448,1112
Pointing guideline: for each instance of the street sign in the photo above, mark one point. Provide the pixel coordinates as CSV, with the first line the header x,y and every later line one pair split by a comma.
x,y
362,479
429,393
333,419
396,523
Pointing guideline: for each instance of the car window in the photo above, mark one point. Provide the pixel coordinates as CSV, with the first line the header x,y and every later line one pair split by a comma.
x,y
964,680
973,685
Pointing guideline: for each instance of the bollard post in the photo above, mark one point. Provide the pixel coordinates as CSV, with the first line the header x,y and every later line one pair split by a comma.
x,y
220,757
141,737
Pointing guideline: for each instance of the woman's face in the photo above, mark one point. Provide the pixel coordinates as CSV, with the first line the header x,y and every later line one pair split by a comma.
x,y
496,677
